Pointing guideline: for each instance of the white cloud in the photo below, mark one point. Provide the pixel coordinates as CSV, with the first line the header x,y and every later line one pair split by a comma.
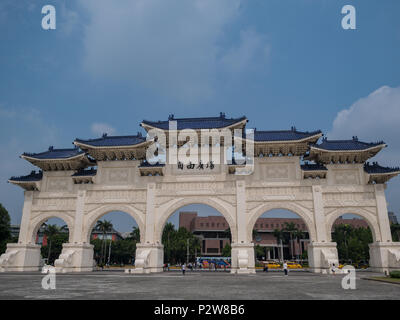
x,y
171,47
375,117
253,48
22,130
372,118
100,128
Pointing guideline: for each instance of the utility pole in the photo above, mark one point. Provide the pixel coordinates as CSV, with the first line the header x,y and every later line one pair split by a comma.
x,y
109,252
187,251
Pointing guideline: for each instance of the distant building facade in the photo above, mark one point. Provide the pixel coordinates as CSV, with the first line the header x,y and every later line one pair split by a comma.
x,y
214,234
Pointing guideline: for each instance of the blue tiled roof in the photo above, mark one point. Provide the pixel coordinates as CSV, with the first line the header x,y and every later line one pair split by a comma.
x,y
196,123
376,168
82,172
313,167
146,164
112,141
354,144
55,153
283,135
33,176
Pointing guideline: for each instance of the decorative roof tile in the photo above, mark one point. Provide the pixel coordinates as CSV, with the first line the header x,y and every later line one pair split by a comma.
x,y
112,141
196,123
375,168
346,145
284,135
145,164
313,167
54,154
33,176
85,173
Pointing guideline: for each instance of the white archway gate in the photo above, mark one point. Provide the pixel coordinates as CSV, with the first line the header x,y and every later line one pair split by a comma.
x,y
335,180
240,199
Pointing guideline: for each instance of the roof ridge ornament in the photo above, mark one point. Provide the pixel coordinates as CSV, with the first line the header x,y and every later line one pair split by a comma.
x,y
355,138
51,148
104,134
222,115
171,117
293,128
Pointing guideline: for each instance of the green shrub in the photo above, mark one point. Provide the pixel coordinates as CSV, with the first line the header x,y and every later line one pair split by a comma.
x,y
395,274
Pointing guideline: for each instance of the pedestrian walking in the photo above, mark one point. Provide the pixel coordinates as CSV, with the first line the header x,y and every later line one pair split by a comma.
x,y
285,269
183,268
333,268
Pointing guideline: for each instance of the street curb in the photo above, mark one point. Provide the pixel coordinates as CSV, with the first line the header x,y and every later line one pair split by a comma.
x,y
380,280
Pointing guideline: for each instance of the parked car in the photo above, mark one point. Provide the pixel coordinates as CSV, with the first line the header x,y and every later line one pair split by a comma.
x,y
272,265
293,265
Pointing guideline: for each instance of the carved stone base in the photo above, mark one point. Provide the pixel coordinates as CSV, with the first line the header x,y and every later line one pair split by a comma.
x,y
243,258
322,256
75,258
20,257
384,256
149,258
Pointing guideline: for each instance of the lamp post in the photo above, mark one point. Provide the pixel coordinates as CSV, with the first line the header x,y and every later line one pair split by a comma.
x,y
187,250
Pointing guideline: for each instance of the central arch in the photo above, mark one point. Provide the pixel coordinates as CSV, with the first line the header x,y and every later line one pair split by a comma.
x,y
218,205
306,215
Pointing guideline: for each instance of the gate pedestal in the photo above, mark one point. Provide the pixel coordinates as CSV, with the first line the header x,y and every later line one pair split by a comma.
x,y
384,256
242,261
149,258
75,258
322,256
20,257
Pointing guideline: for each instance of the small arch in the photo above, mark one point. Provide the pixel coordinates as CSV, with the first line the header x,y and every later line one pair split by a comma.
x,y
361,212
302,213
96,214
161,221
37,222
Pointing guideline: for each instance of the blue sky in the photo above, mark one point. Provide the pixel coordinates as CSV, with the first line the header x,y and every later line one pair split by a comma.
x,y
111,64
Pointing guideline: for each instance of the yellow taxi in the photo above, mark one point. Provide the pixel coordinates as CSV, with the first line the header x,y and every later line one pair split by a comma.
x,y
272,265
294,265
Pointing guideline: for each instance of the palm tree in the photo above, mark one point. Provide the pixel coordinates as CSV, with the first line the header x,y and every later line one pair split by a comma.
x,y
135,234
50,231
291,229
279,235
103,226
298,235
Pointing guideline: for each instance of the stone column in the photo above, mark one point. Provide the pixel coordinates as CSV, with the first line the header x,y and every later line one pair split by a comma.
x,y
384,254
24,255
150,254
76,256
382,213
322,253
243,251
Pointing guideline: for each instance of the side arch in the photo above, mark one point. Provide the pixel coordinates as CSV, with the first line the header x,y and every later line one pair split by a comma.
x,y
361,212
37,222
306,215
181,202
93,216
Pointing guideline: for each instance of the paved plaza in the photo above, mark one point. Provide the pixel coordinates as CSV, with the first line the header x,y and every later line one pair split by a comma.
x,y
194,285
